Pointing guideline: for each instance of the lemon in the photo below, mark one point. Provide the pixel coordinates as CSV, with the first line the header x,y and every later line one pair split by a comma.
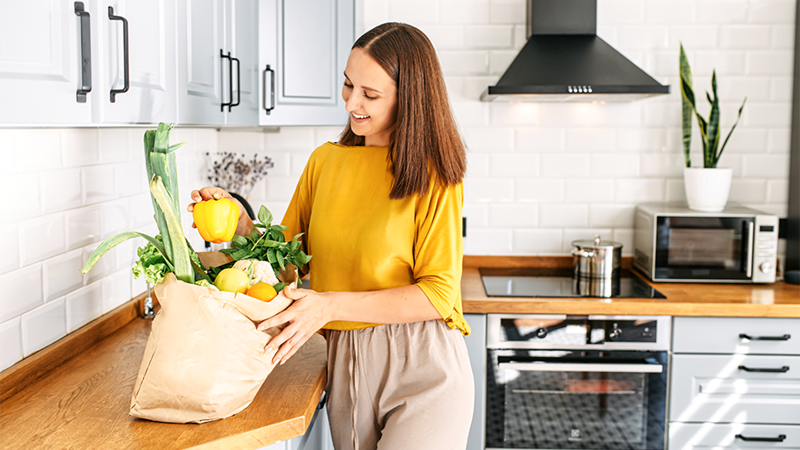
x,y
232,280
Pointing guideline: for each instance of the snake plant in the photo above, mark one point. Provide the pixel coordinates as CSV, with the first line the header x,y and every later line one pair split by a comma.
x,y
709,129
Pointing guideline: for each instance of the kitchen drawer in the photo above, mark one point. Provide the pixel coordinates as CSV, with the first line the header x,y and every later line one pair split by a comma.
x,y
724,335
717,388
689,436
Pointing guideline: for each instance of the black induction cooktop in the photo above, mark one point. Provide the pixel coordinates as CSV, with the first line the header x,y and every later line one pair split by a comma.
x,y
535,282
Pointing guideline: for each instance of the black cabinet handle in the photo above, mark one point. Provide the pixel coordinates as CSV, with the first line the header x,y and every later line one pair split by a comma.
x,y
780,438
238,83
125,54
86,52
785,337
783,369
271,90
230,84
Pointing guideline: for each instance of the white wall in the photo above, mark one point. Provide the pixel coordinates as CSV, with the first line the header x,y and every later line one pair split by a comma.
x,y
540,175
66,191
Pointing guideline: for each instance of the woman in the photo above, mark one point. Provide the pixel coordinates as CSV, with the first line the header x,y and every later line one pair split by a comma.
x,y
381,213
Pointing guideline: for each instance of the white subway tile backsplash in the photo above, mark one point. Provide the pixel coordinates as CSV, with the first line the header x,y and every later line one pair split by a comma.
x,y
61,189
499,60
641,139
644,37
769,62
540,139
766,166
735,89
241,141
116,290
22,291
620,11
37,149
519,37
478,164
745,36
489,36
517,113
141,208
673,11
445,37
661,114
297,163
721,11
469,114
615,165
495,139
115,217
747,191
625,237
777,191
515,215
289,138
514,165
508,11
9,257
7,152
489,190
590,139
640,190
746,140
98,183
611,215
771,11
128,178
694,36
11,337
414,11
103,267
464,62
614,114
778,141
783,36
780,89
540,190
114,144
84,305
724,62
62,274
26,201
537,241
488,241
474,86
575,234
563,215
556,165
662,164
676,192
465,11
589,190
43,326
42,238
609,33
82,226
280,188
477,215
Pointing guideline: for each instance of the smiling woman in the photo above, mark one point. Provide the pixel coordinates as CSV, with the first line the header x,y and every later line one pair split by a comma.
x,y
381,212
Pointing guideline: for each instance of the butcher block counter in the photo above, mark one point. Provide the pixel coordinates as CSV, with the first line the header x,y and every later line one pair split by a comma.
x,y
709,300
83,402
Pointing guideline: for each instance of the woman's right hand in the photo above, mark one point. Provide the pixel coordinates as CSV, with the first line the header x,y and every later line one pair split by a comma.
x,y
208,193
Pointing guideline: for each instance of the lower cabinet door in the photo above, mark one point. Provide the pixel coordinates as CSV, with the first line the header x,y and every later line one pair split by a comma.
x,y
706,436
735,389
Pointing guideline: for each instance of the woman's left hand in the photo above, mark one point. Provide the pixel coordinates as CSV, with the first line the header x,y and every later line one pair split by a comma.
x,y
310,311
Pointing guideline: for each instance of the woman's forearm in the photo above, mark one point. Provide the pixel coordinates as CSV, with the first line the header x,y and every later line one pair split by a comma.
x,y
405,304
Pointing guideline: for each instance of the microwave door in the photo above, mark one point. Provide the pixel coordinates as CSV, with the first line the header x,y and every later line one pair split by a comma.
x,y
704,248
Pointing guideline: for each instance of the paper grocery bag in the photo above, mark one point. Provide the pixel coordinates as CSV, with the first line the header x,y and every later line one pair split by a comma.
x,y
204,359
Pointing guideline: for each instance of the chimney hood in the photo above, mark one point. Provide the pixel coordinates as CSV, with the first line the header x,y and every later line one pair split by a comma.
x,y
564,60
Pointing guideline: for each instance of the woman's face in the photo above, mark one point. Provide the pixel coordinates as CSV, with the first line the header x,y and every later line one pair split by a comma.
x,y
370,96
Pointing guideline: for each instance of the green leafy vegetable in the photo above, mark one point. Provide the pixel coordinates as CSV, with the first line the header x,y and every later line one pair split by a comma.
x,y
151,263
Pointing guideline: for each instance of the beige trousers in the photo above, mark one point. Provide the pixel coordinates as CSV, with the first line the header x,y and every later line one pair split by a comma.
x,y
405,386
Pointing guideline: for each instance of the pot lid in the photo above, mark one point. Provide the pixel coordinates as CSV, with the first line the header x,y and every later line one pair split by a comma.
x,y
596,243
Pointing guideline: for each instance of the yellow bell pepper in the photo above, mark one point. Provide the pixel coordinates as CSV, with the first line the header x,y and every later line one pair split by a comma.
x,y
216,220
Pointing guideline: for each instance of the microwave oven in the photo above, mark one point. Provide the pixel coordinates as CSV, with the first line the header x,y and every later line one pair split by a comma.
x,y
676,244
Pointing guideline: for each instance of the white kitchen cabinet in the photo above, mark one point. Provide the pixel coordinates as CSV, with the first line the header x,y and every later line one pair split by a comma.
x,y
217,63
41,61
151,96
303,50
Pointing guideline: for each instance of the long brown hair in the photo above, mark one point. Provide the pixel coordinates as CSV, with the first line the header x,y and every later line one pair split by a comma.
x,y
425,136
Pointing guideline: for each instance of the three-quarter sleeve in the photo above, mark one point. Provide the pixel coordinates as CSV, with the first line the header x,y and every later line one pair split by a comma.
x,y
438,251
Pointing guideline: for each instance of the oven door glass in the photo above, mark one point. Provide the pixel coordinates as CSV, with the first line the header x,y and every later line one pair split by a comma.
x,y
576,400
704,248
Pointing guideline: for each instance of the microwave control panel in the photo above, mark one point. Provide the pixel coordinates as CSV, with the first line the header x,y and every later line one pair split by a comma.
x,y
764,249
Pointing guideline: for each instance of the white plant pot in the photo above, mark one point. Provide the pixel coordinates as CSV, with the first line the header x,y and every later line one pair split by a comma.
x,y
707,189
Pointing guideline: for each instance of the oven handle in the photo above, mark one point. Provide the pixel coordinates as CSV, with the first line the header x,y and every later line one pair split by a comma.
x,y
750,245
568,367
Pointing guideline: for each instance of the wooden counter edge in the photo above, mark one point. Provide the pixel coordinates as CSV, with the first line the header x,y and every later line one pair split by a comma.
x,y
25,372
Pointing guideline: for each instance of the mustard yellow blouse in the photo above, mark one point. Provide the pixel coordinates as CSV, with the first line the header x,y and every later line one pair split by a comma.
x,y
361,240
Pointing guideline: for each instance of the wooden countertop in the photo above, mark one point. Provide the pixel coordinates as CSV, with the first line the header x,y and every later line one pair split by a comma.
x,y
84,403
721,300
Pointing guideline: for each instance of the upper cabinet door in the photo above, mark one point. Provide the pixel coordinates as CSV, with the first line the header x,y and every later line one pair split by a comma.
x,y
200,62
147,67
241,40
43,64
304,45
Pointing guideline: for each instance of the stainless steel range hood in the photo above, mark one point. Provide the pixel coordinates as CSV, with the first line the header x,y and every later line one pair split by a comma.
x,y
564,60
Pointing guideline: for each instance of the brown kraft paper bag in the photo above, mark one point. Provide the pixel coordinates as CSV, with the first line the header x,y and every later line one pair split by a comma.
x,y
204,359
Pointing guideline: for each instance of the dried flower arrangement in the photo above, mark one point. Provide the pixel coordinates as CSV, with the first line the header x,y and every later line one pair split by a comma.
x,y
234,173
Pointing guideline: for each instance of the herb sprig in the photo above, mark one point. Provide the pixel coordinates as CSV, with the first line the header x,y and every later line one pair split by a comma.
x,y
269,245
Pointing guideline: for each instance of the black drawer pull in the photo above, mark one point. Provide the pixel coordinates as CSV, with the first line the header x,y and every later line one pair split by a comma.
x,y
783,369
780,438
785,337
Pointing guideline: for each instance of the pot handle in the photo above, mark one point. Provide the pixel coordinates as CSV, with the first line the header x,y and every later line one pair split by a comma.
x,y
582,253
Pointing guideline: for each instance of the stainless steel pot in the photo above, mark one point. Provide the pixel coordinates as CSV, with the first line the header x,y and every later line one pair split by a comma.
x,y
596,258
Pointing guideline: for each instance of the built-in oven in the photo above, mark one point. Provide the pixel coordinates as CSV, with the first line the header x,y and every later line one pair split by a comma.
x,y
576,382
